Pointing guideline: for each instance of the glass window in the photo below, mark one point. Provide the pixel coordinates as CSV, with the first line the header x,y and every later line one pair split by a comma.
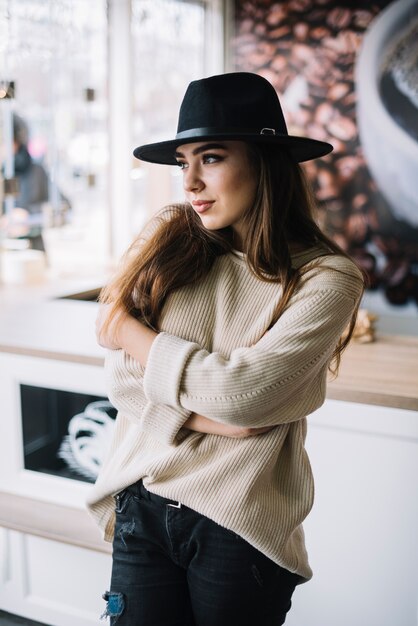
x,y
170,49
55,53
93,79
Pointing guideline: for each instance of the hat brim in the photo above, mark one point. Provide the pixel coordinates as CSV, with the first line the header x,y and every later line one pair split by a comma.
x,y
300,148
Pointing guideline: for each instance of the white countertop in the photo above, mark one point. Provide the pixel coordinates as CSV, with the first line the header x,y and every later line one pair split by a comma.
x,y
36,320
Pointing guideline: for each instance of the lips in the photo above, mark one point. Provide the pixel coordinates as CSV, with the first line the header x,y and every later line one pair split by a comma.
x,y
200,206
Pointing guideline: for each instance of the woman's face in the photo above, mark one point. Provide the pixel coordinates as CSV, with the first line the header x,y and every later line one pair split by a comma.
x,y
220,183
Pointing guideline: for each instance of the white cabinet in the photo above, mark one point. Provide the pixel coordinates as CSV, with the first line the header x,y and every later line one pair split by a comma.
x,y
17,372
51,581
362,534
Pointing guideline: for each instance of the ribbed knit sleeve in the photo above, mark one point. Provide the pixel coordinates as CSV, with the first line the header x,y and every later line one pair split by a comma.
x,y
125,390
124,375
254,384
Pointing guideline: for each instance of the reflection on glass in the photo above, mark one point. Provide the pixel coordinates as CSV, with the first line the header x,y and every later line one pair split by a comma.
x,y
55,52
65,433
168,52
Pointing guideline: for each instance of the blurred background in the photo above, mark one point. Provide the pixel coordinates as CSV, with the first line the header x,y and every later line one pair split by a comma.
x,y
82,82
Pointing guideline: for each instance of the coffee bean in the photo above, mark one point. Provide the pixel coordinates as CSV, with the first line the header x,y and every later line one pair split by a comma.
x,y
267,49
338,91
367,262
246,26
399,281
350,100
299,6
277,34
260,29
327,187
339,18
318,15
359,201
324,113
279,63
356,228
302,52
276,15
316,132
301,30
319,32
282,80
317,88
372,218
345,43
361,19
342,128
301,117
347,167
336,205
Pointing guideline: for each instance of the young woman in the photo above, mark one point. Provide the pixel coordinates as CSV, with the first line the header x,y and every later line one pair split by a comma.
x,y
221,326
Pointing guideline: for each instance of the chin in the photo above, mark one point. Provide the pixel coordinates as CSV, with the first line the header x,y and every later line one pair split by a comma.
x,y
213,224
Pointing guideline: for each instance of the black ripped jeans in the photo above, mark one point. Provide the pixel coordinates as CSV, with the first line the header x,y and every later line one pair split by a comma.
x,y
175,567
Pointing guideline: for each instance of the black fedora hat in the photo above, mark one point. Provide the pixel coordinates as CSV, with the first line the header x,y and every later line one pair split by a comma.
x,y
237,106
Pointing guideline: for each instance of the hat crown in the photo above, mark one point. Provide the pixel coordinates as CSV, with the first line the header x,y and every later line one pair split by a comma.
x,y
231,101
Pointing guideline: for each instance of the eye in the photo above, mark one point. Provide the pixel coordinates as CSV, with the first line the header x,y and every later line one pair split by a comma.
x,y
182,165
211,158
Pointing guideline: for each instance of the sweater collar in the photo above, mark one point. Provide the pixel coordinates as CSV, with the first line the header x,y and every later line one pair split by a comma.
x,y
298,258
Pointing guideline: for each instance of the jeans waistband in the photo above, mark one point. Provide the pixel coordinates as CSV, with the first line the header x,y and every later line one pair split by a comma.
x,y
140,491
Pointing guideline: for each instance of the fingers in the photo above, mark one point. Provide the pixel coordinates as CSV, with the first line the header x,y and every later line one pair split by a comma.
x,y
242,433
260,431
105,334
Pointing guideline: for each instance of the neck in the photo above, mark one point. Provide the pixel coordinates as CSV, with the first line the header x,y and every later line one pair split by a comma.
x,y
237,240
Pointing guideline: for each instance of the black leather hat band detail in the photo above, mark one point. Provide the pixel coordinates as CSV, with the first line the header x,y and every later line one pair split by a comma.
x,y
206,130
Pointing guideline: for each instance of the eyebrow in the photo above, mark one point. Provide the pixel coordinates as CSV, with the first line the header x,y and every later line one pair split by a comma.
x,y
200,149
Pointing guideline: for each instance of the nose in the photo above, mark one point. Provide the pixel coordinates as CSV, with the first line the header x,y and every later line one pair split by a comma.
x,y
192,181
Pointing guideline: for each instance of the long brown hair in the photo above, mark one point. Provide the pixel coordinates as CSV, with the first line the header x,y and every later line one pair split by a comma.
x,y
180,251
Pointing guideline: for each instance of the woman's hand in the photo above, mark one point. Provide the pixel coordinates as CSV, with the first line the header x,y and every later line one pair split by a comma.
x,y
124,332
109,337
201,424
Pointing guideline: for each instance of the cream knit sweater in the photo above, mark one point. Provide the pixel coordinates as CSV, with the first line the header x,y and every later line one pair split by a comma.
x,y
214,357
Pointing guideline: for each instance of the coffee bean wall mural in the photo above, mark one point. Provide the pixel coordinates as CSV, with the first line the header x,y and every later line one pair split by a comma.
x,y
347,73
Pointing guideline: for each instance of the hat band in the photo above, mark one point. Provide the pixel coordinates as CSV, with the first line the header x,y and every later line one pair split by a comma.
x,y
213,130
